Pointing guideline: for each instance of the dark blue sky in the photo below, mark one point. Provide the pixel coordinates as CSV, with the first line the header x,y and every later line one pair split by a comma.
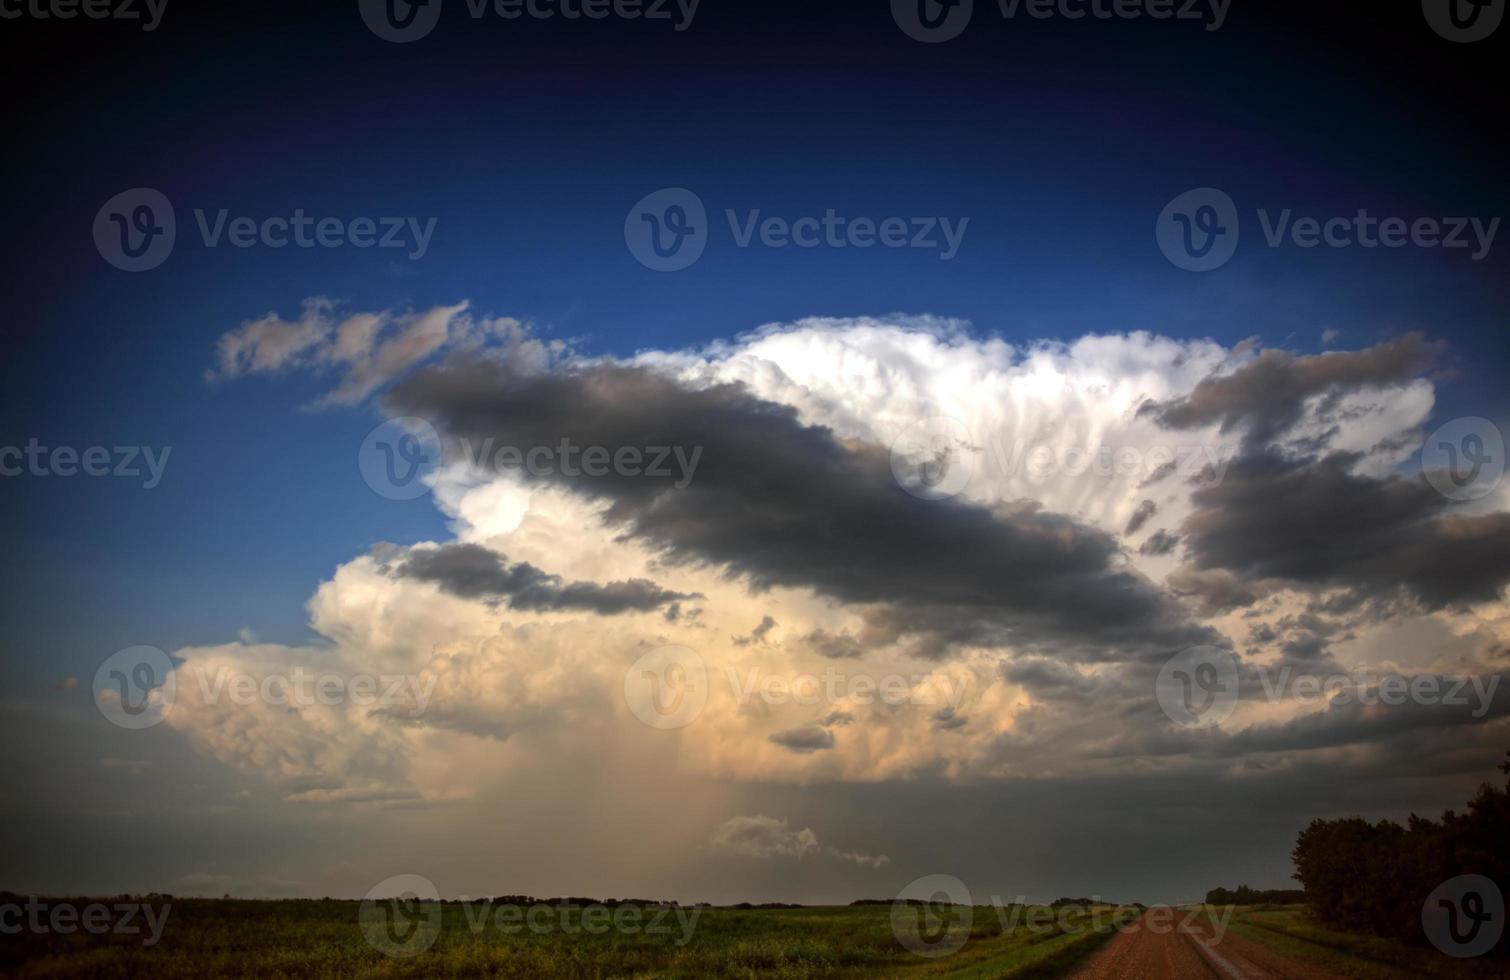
x,y
528,141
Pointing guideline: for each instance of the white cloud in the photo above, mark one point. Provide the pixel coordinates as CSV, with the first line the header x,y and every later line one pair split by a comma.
x,y
763,838
367,349
509,686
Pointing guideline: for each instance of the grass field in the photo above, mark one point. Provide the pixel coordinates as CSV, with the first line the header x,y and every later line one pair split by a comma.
x,y
1290,931
204,939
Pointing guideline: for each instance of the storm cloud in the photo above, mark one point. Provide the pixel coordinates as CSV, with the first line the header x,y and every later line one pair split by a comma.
x,y
1298,516
780,503
1319,524
1269,394
470,571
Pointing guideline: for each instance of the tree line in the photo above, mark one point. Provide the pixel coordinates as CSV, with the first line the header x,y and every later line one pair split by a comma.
x,y
1243,895
1374,877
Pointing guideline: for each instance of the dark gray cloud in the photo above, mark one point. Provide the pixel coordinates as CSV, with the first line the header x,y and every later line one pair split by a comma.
x,y
1261,633
1303,518
1213,590
758,634
1363,718
1305,648
1140,517
1160,542
1317,524
1266,396
948,720
779,503
471,571
835,646
805,739
1048,679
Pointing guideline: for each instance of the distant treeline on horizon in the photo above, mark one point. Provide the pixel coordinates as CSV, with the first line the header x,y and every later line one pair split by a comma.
x,y
1243,895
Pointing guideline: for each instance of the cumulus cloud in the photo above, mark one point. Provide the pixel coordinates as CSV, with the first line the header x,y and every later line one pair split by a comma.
x,y
473,572
764,838
1025,630
777,502
312,749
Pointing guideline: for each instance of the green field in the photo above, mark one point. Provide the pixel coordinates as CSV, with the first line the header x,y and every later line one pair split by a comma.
x,y
205,938
1289,930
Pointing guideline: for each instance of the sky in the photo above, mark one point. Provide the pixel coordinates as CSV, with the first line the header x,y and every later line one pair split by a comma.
x,y
885,463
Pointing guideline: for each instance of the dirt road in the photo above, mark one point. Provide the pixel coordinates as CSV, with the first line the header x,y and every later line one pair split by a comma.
x,y
1162,946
